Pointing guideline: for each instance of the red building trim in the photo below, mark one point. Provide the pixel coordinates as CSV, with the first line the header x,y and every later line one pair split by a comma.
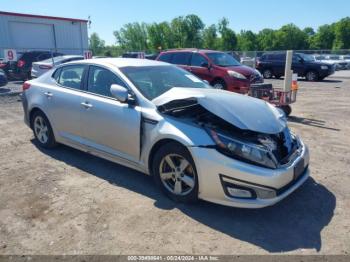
x,y
44,17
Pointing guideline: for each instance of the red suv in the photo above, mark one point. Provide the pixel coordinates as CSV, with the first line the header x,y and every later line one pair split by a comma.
x,y
220,69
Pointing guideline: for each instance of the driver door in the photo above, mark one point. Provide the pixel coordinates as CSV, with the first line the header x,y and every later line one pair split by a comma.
x,y
200,67
107,124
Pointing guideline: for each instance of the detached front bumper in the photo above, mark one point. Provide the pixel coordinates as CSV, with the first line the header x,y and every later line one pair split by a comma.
x,y
217,173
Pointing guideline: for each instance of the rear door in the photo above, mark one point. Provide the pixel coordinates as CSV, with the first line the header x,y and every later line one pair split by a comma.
x,y
182,59
298,65
278,63
199,67
109,125
63,101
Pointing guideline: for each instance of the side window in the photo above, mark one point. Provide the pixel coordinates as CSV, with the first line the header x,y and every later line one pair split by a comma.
x,y
56,74
181,58
198,60
71,76
280,57
165,57
100,81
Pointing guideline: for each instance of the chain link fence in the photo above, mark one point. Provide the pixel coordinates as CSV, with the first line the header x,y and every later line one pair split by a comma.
x,y
249,58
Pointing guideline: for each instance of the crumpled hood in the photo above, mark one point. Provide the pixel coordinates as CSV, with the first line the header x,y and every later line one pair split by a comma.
x,y
241,111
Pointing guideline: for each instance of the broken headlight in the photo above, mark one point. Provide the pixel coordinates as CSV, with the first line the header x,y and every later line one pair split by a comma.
x,y
244,151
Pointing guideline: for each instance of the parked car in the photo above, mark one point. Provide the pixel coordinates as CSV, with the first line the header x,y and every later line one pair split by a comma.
x,y
340,64
3,78
273,64
220,69
196,141
39,68
21,70
332,60
134,55
346,58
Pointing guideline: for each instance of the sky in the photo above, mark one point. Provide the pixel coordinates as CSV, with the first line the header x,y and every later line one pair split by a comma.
x,y
108,16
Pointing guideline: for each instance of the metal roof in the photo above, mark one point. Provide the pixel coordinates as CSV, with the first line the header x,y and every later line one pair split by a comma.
x,y
43,17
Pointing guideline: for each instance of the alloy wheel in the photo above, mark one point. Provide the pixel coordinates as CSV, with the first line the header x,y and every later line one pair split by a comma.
x,y
177,174
41,130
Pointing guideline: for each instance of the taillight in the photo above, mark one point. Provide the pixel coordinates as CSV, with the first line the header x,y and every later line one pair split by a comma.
x,y
21,63
45,66
25,86
2,65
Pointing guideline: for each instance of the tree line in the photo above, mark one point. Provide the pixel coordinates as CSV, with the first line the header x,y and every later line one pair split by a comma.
x,y
190,31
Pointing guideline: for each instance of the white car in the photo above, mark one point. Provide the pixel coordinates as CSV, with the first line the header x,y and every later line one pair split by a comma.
x,y
39,68
346,58
196,141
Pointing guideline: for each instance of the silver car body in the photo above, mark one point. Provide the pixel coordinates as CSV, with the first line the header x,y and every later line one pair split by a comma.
x,y
40,68
128,135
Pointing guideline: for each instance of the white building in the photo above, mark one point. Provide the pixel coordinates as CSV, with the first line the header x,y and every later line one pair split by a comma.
x,y
26,32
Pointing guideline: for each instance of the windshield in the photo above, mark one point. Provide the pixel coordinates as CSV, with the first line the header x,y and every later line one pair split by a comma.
x,y
153,81
307,58
223,59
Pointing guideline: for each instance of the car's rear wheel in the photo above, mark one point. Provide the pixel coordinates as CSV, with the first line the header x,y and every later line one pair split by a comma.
x,y
175,173
219,84
42,130
267,73
311,76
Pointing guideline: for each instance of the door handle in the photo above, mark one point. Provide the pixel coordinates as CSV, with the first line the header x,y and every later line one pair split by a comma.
x,y
87,105
48,94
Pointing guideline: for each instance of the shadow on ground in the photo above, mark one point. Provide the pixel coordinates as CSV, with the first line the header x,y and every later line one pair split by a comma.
x,y
294,223
311,122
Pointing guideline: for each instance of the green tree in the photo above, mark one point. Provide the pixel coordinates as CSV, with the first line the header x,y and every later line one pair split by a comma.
x,y
309,31
210,37
133,37
266,39
194,27
228,40
342,34
324,38
160,36
247,41
96,44
290,37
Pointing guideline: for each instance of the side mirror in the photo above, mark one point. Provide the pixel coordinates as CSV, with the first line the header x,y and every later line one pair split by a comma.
x,y
119,92
205,64
301,60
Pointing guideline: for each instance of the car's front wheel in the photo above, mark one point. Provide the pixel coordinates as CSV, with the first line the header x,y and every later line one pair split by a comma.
x,y
219,84
267,73
175,173
42,130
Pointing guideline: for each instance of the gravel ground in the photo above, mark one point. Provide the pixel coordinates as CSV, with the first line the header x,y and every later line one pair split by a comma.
x,y
64,201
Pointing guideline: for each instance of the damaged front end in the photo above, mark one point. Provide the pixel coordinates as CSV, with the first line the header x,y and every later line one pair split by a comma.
x,y
269,150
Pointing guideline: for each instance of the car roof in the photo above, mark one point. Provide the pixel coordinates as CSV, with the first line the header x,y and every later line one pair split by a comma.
x,y
194,50
121,62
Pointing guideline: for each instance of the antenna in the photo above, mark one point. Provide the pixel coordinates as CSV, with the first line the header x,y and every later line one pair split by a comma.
x,y
89,21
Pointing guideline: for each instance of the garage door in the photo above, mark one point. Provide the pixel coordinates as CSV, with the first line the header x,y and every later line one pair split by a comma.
x,y
31,35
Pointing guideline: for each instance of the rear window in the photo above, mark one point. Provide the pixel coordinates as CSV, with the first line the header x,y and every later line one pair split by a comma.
x,y
182,58
166,57
71,76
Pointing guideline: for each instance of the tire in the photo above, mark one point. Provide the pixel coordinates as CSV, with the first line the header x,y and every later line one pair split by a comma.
x,y
311,76
267,73
42,130
286,109
170,176
219,84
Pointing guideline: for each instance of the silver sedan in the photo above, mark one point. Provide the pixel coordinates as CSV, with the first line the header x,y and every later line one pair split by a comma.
x,y
197,142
